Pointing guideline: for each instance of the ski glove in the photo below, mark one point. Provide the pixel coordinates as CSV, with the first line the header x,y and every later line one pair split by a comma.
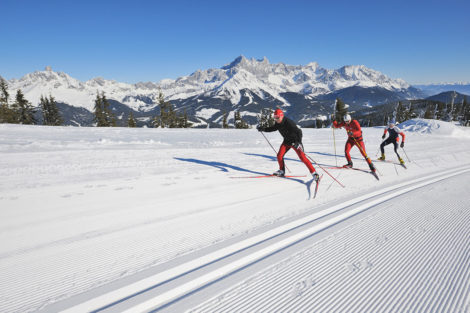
x,y
402,144
383,137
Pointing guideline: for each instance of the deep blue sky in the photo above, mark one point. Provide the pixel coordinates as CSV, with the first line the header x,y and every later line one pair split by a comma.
x,y
132,41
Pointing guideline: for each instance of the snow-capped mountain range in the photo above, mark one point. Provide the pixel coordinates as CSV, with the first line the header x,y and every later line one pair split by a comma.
x,y
244,84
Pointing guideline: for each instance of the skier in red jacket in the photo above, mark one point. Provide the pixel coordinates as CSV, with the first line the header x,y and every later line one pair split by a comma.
x,y
354,139
292,139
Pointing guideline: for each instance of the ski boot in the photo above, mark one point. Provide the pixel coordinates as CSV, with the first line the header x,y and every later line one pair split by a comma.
x,y
372,167
315,176
279,173
401,161
382,158
349,165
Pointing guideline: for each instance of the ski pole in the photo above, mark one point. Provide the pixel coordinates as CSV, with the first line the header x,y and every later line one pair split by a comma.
x,y
324,170
333,127
406,155
377,151
379,147
334,141
273,149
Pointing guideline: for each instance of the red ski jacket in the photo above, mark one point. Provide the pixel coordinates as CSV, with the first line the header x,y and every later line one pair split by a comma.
x,y
353,129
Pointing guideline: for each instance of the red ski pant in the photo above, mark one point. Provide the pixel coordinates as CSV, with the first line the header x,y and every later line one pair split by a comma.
x,y
353,142
283,150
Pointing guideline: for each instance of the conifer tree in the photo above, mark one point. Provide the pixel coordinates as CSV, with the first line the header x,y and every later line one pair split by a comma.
x,y
167,116
110,117
341,109
6,115
410,113
400,113
224,120
319,122
103,116
44,106
186,123
236,118
385,120
266,119
450,108
173,119
50,112
456,114
440,111
23,109
466,112
429,114
131,120
239,122
56,119
98,112
156,121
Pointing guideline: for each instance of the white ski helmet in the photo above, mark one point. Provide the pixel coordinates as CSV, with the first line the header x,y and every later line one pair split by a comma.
x,y
347,118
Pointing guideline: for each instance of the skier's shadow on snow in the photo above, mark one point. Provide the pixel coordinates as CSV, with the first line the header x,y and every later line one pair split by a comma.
x,y
224,167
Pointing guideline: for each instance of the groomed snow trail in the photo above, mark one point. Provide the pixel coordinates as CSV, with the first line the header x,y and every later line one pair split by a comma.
x,y
395,258
162,297
86,212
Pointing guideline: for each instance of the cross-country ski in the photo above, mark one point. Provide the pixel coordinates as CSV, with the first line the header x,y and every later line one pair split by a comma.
x,y
392,162
271,175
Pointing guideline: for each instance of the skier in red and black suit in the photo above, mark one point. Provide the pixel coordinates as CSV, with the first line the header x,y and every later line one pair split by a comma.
x,y
393,132
354,139
292,139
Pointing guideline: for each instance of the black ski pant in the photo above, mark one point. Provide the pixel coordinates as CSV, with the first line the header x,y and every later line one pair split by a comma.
x,y
387,142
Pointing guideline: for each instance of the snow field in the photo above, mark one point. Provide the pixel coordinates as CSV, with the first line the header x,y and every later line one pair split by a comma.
x,y
82,207
399,258
156,302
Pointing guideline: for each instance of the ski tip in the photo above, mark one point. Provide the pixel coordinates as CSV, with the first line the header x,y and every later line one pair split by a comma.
x,y
316,186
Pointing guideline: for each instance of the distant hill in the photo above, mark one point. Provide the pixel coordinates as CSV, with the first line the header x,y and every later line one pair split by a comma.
x,y
434,89
447,97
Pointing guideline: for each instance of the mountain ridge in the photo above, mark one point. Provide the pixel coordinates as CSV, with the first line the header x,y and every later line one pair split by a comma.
x,y
223,89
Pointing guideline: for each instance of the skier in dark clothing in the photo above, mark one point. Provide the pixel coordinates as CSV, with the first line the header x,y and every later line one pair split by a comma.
x,y
393,132
292,139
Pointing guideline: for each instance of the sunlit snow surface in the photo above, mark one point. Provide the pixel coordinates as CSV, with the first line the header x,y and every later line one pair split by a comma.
x,y
84,207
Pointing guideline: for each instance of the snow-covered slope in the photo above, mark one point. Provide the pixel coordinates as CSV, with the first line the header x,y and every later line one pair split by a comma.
x,y
227,82
434,127
99,216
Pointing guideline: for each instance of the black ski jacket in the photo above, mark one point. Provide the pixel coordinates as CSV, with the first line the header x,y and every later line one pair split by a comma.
x,y
288,129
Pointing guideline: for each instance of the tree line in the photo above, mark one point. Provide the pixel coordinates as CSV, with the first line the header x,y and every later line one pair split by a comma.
x,y
406,110
20,111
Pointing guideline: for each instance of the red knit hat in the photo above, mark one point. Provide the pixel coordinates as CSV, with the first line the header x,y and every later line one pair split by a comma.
x,y
278,113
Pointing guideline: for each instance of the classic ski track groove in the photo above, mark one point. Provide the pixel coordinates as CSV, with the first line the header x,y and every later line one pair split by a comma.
x,y
404,298
179,291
